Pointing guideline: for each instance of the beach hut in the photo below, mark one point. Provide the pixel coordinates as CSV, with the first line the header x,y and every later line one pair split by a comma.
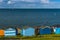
x,y
10,32
18,31
45,30
28,31
57,30
1,32
37,30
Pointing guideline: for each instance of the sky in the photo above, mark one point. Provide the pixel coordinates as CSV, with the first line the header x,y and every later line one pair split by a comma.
x,y
29,3
55,0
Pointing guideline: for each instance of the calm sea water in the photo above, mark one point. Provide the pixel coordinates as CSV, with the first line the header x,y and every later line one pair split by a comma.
x,y
29,16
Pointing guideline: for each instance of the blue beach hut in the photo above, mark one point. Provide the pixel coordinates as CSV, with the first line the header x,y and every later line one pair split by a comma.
x,y
45,30
57,30
10,32
28,32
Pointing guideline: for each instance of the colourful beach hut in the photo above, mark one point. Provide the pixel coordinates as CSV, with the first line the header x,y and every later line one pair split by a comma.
x,y
28,31
57,30
45,30
1,32
37,30
10,32
18,31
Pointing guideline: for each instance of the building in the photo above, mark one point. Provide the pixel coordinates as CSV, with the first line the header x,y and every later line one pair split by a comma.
x,y
37,30
28,31
1,32
10,32
57,30
18,31
45,30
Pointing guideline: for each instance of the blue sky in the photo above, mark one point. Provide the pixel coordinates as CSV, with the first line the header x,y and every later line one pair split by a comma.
x,y
29,3
55,0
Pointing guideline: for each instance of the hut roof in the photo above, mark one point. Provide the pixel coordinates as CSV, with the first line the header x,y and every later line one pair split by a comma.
x,y
25,27
10,29
45,27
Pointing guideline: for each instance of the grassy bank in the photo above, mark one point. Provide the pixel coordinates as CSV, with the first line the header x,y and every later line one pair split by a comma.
x,y
39,37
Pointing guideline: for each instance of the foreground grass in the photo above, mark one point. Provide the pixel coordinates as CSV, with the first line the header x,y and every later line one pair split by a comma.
x,y
39,37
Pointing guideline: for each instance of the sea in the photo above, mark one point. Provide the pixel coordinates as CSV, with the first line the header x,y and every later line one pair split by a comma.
x,y
29,17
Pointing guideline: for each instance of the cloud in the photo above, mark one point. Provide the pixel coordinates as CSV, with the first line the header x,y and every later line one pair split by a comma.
x,y
24,0
51,5
40,4
1,1
10,2
30,0
44,1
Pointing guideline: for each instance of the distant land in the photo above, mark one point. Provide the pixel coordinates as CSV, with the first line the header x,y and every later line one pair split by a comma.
x,y
29,16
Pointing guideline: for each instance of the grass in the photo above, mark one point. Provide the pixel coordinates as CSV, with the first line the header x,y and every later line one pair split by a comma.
x,y
39,37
